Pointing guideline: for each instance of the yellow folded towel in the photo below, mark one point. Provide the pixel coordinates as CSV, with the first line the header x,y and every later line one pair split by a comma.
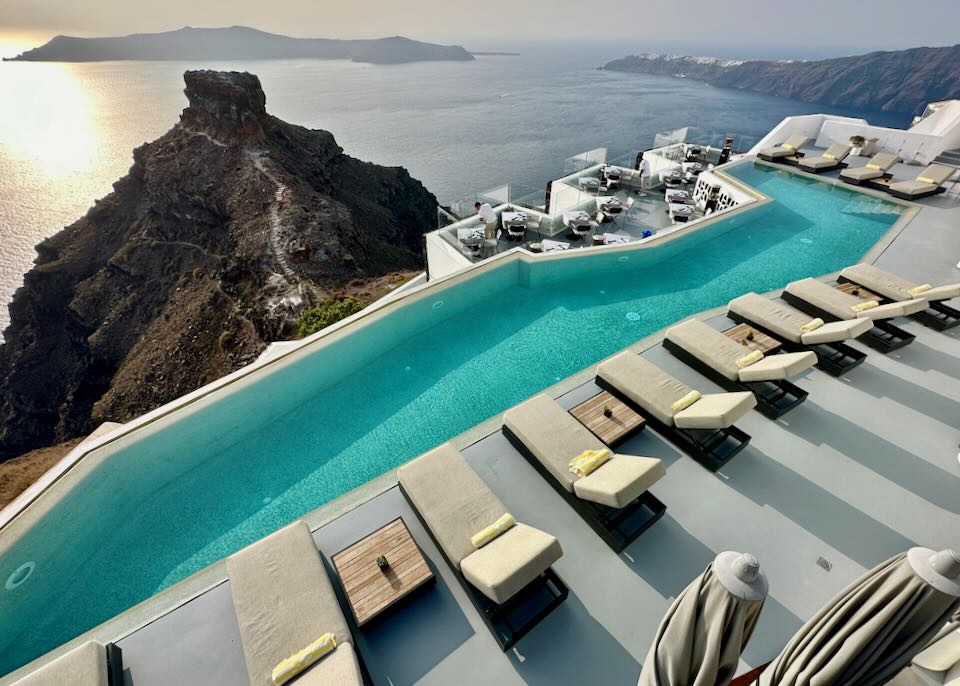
x,y
927,179
829,156
811,325
874,167
750,358
589,460
864,306
787,146
917,290
487,534
686,401
300,661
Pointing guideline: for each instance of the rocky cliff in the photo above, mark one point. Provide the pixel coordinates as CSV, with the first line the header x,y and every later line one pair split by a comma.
x,y
224,230
900,81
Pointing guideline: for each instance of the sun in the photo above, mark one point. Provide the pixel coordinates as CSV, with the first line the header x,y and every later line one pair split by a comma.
x,y
52,123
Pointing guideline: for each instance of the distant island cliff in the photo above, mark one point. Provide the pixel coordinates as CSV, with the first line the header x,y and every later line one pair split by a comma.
x,y
225,230
900,81
238,42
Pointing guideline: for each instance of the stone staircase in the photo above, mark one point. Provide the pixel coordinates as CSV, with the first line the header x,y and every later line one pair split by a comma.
x,y
950,158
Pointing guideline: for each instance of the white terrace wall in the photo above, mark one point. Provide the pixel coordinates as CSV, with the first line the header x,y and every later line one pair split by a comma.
x,y
920,144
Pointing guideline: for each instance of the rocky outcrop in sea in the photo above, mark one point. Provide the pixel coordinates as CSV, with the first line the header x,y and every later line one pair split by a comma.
x,y
225,229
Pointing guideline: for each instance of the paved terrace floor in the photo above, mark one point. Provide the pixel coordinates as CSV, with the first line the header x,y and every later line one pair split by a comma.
x,y
866,468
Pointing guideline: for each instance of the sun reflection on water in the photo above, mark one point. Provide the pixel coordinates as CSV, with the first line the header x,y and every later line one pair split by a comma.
x,y
48,119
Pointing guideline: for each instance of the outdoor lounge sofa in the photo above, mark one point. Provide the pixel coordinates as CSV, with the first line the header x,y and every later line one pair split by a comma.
x,y
716,356
782,321
878,167
509,580
929,182
613,499
893,288
704,429
832,158
90,664
284,602
788,148
819,299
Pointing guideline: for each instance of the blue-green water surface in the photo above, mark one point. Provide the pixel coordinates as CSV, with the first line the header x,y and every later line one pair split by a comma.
x,y
178,499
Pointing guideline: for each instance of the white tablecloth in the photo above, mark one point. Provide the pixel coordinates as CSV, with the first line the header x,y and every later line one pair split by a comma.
x,y
470,234
553,246
514,218
588,183
576,218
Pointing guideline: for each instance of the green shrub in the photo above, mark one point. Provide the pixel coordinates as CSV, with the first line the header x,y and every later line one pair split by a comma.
x,y
326,313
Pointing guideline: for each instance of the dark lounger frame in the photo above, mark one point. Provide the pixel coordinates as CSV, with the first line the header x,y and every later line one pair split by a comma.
x,y
821,170
915,196
114,665
617,527
884,336
774,398
869,183
512,620
836,359
938,314
712,448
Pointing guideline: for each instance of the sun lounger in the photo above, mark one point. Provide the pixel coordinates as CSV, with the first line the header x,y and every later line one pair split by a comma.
x,y
832,158
91,664
704,430
613,499
893,288
877,168
788,148
782,321
509,580
284,602
715,356
929,182
819,299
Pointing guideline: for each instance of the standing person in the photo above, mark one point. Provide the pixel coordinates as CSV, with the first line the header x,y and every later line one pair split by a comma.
x,y
644,170
488,217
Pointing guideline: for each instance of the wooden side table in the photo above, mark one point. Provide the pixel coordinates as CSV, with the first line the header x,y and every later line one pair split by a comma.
x,y
623,422
859,291
760,341
372,591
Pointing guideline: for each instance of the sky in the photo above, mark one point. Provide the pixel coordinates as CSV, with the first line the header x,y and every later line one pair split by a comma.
x,y
729,28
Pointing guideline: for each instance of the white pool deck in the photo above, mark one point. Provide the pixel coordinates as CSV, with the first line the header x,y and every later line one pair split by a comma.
x,y
866,468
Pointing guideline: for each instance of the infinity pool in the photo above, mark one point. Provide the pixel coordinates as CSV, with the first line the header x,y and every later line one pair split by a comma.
x,y
174,500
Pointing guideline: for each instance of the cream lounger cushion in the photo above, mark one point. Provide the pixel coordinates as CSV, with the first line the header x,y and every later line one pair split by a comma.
x,y
876,167
839,304
787,148
895,287
655,391
284,601
785,321
780,366
721,353
455,503
833,155
930,179
554,437
835,332
85,665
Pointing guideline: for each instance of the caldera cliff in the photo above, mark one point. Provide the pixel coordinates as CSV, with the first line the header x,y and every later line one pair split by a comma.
x,y
225,229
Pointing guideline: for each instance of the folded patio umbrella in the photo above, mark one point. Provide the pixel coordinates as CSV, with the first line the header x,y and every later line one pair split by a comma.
x,y
874,627
703,633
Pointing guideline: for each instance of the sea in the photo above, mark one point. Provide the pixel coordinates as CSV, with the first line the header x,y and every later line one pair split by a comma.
x,y
67,131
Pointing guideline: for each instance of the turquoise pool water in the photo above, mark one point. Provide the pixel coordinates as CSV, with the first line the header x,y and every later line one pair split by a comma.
x,y
175,500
